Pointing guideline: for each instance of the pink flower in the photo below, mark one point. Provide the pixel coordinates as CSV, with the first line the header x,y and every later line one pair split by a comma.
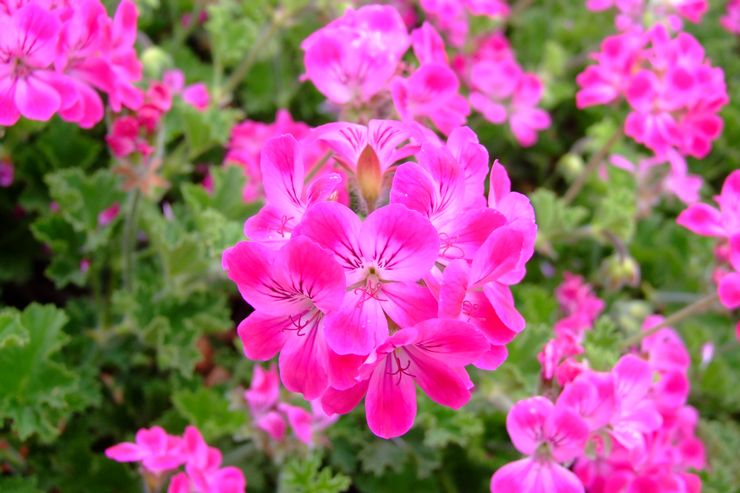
x,y
262,398
291,289
109,215
383,259
731,19
431,92
428,45
157,451
548,434
368,152
287,200
196,95
353,58
124,138
724,222
432,354
27,85
307,425
203,467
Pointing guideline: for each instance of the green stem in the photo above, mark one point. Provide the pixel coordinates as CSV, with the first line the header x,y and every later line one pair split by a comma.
x,y
241,70
129,240
591,167
699,306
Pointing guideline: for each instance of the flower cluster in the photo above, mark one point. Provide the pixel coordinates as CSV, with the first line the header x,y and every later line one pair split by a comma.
x,y
411,294
270,413
634,13
55,56
356,62
723,224
581,308
160,454
628,429
674,93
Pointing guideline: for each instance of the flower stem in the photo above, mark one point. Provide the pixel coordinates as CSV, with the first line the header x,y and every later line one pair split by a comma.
x,y
241,71
591,167
129,240
694,308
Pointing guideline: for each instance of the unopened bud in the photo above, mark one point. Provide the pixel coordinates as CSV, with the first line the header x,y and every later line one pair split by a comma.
x,y
369,176
155,61
619,271
571,166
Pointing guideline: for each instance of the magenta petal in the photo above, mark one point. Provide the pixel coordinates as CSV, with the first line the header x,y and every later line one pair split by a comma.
x,y
263,335
402,243
414,188
343,401
566,433
729,290
273,424
453,289
125,452
702,219
358,326
390,404
343,370
281,165
632,380
269,225
454,342
492,359
301,422
336,228
304,364
497,256
442,383
535,476
407,304
9,114
526,423
502,302
35,99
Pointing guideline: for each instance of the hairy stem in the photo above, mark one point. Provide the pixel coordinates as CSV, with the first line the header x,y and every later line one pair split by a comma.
x,y
129,239
591,167
699,306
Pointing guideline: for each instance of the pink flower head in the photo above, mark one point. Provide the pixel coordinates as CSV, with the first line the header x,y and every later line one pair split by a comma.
x,y
157,451
548,434
196,95
262,398
287,200
353,58
432,354
577,296
307,424
450,17
291,289
428,45
28,87
368,152
383,259
722,222
591,396
431,92
731,20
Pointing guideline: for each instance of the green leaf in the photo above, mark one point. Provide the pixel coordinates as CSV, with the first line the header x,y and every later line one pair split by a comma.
x,y
602,344
19,485
307,476
35,388
226,196
617,210
206,129
11,330
66,246
554,217
209,410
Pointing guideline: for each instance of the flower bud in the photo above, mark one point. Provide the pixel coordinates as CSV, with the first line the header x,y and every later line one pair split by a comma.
x,y
618,271
155,61
369,176
571,166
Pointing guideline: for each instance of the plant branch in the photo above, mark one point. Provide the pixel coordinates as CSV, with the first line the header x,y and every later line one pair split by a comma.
x,y
695,308
591,167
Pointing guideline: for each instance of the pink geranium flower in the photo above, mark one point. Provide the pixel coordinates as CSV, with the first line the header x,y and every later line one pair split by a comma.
x,y
154,448
353,58
262,398
432,354
383,259
291,289
548,434
27,85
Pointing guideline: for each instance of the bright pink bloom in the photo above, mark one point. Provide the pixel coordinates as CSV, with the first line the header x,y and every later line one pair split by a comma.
x,y
731,19
548,434
287,200
126,137
291,289
203,467
196,95
27,86
724,222
431,92
353,58
383,259
157,451
109,215
428,45
262,398
450,17
307,425
432,354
